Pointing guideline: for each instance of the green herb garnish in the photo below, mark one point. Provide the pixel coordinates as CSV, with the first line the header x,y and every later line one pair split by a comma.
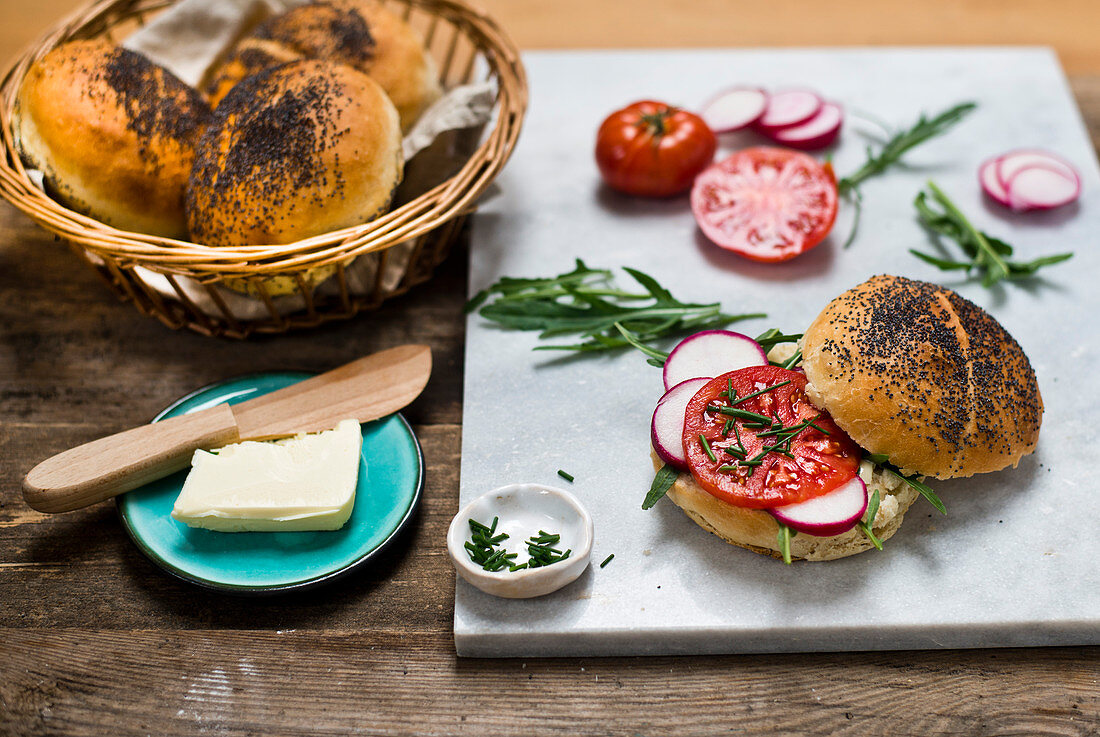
x,y
584,302
784,539
662,482
482,546
891,153
542,552
706,448
607,560
567,476
872,510
881,459
987,255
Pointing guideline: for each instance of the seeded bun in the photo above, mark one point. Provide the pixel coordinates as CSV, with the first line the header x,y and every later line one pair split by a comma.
x,y
362,34
756,530
293,152
914,371
113,134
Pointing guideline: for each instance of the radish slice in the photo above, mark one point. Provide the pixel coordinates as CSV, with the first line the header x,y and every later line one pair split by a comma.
x,y
666,431
710,353
1012,162
991,185
1041,187
817,132
829,514
788,108
734,109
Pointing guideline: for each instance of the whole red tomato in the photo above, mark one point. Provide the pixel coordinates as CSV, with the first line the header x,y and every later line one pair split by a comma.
x,y
653,149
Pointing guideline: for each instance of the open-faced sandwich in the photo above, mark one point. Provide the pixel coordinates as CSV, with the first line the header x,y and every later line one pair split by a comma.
x,y
815,449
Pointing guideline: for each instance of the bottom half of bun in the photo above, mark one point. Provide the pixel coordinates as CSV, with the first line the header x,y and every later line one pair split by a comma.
x,y
756,530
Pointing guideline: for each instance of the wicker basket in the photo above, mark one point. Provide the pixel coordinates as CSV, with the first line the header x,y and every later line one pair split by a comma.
x,y
167,279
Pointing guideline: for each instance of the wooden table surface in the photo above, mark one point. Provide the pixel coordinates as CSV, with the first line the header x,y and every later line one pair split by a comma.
x,y
94,640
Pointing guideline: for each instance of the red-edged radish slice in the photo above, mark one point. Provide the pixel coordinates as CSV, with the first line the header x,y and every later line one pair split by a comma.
x,y
710,353
666,431
789,107
817,132
829,514
991,185
734,109
1041,187
1012,162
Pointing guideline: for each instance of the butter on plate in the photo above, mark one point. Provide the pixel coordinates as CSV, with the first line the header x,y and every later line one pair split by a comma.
x,y
306,482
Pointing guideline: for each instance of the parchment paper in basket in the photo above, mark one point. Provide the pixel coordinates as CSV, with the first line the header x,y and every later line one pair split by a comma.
x,y
191,36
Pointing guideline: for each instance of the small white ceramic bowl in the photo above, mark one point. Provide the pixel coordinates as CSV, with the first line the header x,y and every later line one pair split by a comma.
x,y
523,510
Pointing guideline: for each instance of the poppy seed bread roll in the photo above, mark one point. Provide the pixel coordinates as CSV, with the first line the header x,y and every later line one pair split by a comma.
x,y
293,152
912,370
113,134
362,35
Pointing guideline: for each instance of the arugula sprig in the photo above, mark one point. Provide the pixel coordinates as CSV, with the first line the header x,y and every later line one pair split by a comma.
x,y
585,302
892,152
881,459
987,255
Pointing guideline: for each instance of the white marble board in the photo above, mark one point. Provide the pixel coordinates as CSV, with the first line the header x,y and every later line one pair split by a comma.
x,y
1015,563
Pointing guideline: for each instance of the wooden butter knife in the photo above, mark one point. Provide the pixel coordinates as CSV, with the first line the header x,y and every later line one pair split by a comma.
x,y
366,389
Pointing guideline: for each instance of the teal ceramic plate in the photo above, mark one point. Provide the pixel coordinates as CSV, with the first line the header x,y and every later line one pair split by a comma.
x,y
391,475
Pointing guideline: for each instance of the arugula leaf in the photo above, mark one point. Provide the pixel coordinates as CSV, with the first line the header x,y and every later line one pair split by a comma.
x,y
662,482
987,255
784,540
866,527
892,152
585,303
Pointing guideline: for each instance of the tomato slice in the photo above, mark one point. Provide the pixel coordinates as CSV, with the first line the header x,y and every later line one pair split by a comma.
x,y
767,204
814,459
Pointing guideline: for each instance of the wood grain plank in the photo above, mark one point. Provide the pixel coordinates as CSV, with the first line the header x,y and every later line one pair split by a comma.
x,y
535,24
383,682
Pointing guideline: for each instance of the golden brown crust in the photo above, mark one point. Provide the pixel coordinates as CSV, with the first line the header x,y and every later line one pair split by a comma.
x,y
113,134
296,151
362,35
914,371
756,530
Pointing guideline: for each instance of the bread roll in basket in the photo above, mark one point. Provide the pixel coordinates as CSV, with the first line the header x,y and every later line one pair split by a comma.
x,y
237,291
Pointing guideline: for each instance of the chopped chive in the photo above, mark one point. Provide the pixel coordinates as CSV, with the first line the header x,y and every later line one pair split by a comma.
x,y
568,477
765,390
607,560
726,428
743,414
706,447
793,360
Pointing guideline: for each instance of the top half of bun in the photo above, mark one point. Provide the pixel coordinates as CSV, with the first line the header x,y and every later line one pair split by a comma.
x,y
113,133
295,151
359,33
913,370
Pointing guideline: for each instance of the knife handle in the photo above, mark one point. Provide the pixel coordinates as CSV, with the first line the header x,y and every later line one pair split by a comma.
x,y
104,468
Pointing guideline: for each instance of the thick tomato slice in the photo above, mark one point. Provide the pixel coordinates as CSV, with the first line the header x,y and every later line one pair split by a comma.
x,y
767,204
814,460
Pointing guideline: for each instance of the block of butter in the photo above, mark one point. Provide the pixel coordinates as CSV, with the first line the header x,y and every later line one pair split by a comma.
x,y
306,482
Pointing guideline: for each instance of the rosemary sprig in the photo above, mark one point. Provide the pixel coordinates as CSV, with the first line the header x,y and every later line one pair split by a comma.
x,y
892,152
662,482
987,255
584,303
